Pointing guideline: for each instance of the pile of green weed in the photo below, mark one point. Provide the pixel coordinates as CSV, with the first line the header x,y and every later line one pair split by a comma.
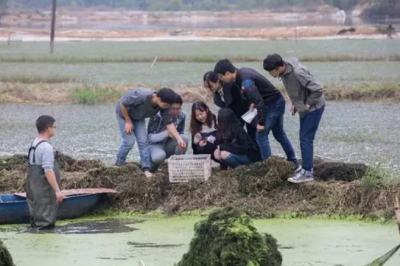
x,y
5,256
228,237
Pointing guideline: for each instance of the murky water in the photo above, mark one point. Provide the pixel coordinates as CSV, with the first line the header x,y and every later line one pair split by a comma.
x,y
163,242
349,132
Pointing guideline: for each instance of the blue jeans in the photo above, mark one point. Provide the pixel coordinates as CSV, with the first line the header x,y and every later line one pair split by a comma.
x,y
274,121
235,160
308,128
128,141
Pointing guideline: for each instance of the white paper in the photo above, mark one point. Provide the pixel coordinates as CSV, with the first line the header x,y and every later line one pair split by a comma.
x,y
249,116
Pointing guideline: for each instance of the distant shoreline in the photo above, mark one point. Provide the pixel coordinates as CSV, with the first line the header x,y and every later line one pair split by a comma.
x,y
232,34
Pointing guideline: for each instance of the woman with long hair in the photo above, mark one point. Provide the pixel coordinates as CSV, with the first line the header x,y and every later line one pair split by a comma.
x,y
203,128
234,145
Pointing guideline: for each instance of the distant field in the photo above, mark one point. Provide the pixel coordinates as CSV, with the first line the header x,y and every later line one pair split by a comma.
x,y
28,72
190,74
260,49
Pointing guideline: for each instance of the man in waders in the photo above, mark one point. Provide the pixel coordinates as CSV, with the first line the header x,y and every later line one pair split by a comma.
x,y
43,183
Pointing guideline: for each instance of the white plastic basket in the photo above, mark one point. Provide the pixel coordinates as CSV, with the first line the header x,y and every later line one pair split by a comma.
x,y
183,168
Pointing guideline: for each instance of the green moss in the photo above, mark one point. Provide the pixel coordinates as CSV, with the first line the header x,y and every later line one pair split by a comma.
x,y
5,256
93,95
228,237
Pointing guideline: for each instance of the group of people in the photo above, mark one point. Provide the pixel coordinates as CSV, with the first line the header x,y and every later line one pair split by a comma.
x,y
223,136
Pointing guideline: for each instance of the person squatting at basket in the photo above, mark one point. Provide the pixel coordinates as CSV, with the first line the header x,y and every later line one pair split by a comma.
x,y
162,144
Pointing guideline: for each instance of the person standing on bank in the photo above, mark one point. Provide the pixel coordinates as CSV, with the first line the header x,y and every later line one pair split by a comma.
x,y
308,99
132,110
43,182
229,95
269,103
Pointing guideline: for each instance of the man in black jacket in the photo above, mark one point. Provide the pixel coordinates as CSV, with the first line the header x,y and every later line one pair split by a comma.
x,y
269,103
229,95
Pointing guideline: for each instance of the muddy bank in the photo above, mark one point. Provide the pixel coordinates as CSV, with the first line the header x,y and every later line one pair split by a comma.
x,y
93,94
260,190
277,33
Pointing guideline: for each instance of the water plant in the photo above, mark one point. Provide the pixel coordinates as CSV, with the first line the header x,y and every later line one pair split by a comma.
x,y
228,237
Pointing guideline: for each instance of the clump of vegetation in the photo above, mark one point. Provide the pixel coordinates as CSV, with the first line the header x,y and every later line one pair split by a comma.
x,y
364,92
377,177
93,95
228,237
5,256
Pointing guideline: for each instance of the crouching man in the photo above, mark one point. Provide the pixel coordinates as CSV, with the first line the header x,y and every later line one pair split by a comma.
x,y
43,183
162,145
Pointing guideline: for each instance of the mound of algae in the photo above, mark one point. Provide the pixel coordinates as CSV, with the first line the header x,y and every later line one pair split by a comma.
x,y
228,238
5,256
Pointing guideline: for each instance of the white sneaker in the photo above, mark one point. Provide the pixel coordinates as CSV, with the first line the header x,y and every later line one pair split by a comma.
x,y
302,177
148,174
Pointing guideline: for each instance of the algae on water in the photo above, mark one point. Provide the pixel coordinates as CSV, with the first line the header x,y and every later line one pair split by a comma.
x,y
5,256
229,238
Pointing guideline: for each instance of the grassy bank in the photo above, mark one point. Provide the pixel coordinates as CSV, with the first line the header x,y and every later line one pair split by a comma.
x,y
95,94
190,59
261,190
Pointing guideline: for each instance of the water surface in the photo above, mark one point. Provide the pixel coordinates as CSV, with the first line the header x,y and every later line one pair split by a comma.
x,y
349,132
162,242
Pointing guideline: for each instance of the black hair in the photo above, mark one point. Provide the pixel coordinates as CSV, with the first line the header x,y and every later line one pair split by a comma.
x,y
226,124
272,62
167,95
44,122
223,66
178,99
195,125
211,76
